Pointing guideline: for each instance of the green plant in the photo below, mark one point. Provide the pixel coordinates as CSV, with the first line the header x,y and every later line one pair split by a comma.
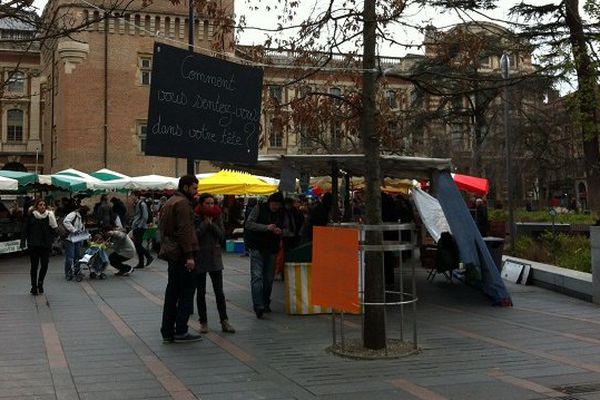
x,y
522,215
569,251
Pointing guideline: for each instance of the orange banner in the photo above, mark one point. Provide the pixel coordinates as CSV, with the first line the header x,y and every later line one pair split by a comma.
x,y
335,269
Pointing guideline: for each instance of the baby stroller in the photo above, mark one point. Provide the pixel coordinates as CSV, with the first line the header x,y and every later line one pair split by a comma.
x,y
94,260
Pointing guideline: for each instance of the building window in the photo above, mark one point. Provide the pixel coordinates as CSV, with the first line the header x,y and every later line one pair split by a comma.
x,y
304,138
14,122
142,130
392,128
485,62
16,82
513,61
392,99
276,93
275,133
145,68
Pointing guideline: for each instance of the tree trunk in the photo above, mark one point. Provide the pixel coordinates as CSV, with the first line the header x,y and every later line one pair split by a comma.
x,y
588,100
374,325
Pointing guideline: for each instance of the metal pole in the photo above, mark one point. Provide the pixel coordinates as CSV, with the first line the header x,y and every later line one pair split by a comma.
x,y
505,63
191,170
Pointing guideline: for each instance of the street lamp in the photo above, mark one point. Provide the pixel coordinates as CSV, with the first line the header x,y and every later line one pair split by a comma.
x,y
505,66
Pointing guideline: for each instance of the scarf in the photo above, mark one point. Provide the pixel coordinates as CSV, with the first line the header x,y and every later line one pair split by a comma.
x,y
212,212
47,214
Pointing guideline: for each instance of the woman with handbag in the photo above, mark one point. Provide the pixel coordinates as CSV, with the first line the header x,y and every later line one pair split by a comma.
x,y
38,235
210,232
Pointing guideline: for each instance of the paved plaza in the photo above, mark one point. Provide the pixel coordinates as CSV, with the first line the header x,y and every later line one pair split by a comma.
x,y
100,340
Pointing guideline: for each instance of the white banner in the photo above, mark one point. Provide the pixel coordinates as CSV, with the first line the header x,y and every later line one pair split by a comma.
x,y
10,247
431,213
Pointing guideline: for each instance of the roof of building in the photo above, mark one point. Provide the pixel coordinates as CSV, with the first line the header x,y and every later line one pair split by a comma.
x,y
354,164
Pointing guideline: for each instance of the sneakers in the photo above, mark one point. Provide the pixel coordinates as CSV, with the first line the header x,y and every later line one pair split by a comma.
x,y
149,260
226,327
40,287
119,273
168,340
187,338
128,271
259,313
34,290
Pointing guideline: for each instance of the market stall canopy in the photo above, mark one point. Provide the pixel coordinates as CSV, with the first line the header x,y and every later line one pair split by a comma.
x,y
65,182
354,164
106,174
235,183
153,182
467,183
472,184
71,172
22,178
8,184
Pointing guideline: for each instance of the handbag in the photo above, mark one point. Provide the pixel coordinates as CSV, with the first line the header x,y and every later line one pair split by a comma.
x,y
79,236
170,250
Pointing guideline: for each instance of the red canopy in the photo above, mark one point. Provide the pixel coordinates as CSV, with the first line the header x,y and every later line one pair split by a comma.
x,y
472,184
468,183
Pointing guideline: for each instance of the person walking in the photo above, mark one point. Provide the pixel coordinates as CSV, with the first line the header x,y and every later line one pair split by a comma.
x,y
210,232
38,235
139,225
121,249
481,217
265,226
75,226
179,247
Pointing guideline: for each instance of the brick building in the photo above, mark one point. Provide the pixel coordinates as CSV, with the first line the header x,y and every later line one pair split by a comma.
x,y
96,102
20,106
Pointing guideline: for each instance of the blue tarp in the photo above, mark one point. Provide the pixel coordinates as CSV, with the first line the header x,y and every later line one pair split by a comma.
x,y
473,250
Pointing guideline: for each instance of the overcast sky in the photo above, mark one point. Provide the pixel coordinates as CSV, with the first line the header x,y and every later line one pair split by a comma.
x,y
417,17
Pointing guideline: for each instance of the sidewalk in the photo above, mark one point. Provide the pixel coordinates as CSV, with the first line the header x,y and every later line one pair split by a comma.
x,y
101,340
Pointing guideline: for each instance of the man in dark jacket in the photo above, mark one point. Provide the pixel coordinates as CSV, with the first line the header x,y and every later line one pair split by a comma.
x,y
264,229
177,225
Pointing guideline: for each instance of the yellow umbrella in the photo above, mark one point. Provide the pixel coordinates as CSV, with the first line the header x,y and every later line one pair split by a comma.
x,y
235,182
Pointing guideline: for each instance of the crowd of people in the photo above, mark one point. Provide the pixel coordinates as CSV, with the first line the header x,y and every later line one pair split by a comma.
x,y
192,230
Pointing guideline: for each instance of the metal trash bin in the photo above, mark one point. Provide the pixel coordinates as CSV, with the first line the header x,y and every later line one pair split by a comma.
x,y
495,246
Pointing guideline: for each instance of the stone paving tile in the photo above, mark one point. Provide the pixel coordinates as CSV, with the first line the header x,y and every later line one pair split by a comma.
x,y
379,395
493,390
288,358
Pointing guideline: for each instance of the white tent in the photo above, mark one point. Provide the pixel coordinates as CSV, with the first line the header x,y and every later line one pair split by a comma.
x,y
8,184
153,182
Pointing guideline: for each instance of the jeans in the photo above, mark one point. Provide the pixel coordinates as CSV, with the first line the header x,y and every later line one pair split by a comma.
x,y
118,261
72,251
138,238
262,269
179,300
38,254
216,278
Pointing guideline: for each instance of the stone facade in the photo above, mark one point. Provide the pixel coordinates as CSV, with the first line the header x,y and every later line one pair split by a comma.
x,y
96,108
20,104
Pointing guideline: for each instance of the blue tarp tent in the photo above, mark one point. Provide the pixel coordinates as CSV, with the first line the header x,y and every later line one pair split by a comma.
x,y
473,250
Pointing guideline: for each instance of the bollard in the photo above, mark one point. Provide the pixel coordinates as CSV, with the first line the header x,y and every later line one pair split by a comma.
x,y
595,249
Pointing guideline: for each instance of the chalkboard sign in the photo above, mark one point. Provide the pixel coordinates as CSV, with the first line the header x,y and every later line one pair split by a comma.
x,y
203,108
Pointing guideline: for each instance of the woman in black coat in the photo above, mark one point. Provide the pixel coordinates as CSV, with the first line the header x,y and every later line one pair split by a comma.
x,y
38,233
210,232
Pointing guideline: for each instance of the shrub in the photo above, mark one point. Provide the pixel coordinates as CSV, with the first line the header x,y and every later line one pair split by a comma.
x,y
567,251
522,215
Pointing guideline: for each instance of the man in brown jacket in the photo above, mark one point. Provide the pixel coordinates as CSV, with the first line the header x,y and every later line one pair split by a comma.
x,y
177,225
